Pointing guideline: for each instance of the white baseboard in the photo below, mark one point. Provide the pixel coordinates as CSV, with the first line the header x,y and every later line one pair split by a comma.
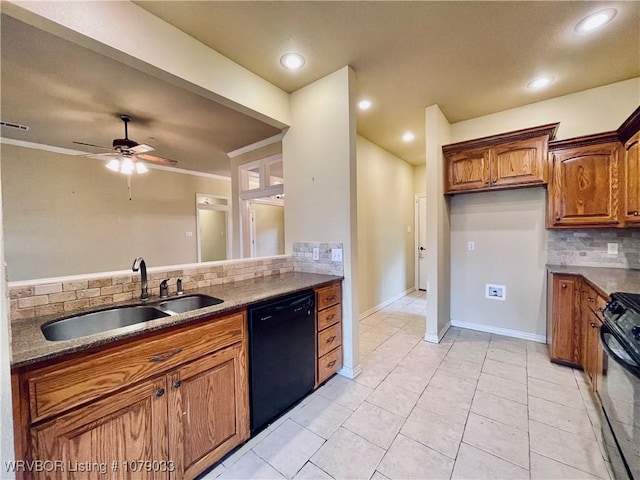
x,y
349,372
386,303
429,337
501,331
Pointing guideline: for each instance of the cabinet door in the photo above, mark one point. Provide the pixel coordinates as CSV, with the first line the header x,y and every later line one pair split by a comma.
x,y
208,410
120,432
467,170
566,339
584,186
632,180
519,163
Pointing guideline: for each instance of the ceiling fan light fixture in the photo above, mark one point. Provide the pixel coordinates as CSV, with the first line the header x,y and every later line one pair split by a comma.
x,y
114,165
595,20
141,168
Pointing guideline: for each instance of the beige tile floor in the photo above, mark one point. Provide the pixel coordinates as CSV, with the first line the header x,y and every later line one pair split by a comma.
x,y
474,406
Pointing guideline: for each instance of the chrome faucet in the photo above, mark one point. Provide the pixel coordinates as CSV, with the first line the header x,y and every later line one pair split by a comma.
x,y
138,264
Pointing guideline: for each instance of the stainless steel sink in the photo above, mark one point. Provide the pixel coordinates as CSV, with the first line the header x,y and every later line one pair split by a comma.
x,y
96,322
188,303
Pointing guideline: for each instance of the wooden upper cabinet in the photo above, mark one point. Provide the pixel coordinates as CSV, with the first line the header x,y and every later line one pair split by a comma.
x,y
631,210
520,163
468,170
509,160
584,185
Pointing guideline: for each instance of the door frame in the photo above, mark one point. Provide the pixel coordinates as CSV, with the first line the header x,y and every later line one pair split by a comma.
x,y
416,241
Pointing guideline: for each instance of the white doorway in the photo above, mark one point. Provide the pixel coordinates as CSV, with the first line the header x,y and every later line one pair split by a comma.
x,y
421,242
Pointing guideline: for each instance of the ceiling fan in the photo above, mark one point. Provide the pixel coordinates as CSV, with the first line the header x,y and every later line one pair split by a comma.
x,y
127,156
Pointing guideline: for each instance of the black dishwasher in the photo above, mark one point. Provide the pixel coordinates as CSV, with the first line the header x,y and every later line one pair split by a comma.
x,y
281,355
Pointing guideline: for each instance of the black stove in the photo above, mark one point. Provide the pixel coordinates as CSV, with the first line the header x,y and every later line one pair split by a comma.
x,y
623,315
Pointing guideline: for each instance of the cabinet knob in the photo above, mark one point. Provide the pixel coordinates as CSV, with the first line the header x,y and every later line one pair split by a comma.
x,y
636,214
563,285
177,384
557,219
159,392
589,299
593,325
331,339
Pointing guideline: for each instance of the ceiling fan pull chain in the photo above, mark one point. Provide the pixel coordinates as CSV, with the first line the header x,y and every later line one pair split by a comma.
x,y
129,185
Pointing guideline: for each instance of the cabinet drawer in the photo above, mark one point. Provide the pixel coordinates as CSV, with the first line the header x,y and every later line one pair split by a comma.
x,y
329,364
328,296
329,316
592,300
58,387
329,338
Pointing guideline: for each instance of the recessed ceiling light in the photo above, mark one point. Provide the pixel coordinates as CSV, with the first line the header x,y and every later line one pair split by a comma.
x,y
595,20
539,83
408,137
292,61
364,104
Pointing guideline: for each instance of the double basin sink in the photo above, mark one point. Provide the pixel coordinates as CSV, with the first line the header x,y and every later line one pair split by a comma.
x,y
95,322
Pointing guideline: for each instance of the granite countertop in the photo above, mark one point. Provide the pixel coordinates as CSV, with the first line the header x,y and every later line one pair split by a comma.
x,y
29,345
607,280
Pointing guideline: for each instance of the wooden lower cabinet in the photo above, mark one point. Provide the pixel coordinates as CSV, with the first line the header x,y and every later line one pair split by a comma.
x,y
328,331
591,307
566,343
107,436
207,414
173,424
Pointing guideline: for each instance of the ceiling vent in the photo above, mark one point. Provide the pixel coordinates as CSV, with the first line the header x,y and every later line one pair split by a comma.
x,y
16,126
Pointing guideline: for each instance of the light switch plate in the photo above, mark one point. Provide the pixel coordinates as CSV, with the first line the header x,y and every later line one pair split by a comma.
x,y
612,248
316,253
336,254
471,246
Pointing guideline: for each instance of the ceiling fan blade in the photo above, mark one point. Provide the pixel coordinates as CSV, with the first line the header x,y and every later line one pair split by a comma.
x,y
154,159
141,148
103,156
92,145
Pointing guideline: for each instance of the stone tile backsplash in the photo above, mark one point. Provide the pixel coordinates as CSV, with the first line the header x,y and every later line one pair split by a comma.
x,y
303,258
588,248
65,294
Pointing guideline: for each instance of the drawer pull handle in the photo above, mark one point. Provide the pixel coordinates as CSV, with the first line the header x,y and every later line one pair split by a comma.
x,y
177,384
332,298
331,317
331,364
164,356
330,339
159,392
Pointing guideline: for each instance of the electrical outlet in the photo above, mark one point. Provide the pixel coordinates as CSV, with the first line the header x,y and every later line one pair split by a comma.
x,y
316,253
408,228
495,292
336,254
471,246
188,234
612,248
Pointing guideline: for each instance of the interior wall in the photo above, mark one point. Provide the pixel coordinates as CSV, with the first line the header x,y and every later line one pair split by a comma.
x,y
269,224
385,213
84,222
420,179
508,227
438,263
6,413
319,154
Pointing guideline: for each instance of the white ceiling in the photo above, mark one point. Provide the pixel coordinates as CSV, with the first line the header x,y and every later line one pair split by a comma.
x,y
471,58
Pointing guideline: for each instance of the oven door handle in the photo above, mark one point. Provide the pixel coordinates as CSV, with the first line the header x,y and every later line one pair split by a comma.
x,y
631,368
